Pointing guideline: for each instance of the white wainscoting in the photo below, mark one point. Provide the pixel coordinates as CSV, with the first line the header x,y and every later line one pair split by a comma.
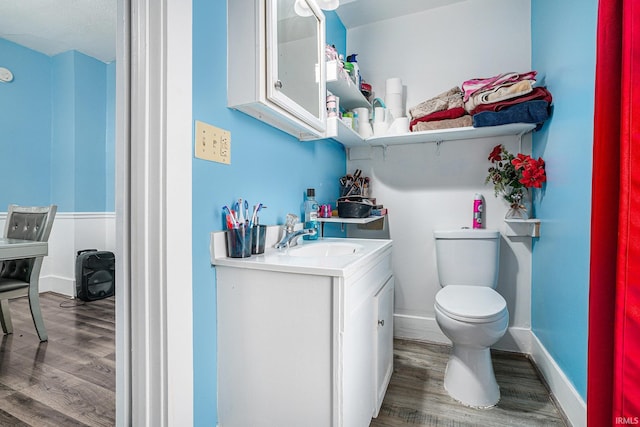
x,y
71,232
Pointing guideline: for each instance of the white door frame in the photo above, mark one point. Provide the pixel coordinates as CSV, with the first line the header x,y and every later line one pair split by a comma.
x,y
154,343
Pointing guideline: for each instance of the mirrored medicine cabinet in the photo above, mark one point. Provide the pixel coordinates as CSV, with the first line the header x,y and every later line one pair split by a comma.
x,y
276,67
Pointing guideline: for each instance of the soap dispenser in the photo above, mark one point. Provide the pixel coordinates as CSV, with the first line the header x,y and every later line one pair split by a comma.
x,y
311,214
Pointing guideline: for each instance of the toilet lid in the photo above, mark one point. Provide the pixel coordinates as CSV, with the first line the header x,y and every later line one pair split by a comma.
x,y
471,303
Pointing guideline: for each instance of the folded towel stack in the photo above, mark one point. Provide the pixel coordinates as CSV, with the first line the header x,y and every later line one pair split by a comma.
x,y
506,98
498,100
443,111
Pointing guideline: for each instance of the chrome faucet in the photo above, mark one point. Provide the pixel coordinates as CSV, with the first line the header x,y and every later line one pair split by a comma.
x,y
290,235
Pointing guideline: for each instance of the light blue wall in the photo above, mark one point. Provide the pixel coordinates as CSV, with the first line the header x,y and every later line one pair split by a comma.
x,y
563,47
25,127
110,142
336,32
267,166
54,130
62,143
79,138
90,133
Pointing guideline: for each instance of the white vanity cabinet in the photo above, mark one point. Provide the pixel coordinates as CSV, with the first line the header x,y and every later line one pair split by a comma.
x,y
303,347
276,68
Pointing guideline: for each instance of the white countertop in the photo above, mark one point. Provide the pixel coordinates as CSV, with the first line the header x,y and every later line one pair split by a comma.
x,y
280,260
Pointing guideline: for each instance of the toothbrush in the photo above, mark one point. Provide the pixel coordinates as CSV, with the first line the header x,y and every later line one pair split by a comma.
x,y
231,220
241,217
254,215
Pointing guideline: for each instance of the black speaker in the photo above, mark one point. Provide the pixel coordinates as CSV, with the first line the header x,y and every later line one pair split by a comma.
x,y
95,274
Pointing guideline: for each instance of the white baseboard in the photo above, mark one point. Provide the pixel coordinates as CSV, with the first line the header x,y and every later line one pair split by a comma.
x,y
60,285
517,339
572,404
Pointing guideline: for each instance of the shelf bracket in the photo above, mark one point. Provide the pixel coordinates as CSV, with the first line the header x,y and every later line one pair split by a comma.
x,y
438,144
520,135
522,227
384,151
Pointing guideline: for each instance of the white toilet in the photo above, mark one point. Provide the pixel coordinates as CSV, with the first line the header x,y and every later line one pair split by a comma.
x,y
470,312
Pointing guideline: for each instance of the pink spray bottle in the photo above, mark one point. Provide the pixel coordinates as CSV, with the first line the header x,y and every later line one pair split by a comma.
x,y
478,209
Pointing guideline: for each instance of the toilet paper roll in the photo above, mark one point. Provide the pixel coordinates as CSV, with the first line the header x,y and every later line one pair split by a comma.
x,y
394,85
394,104
399,126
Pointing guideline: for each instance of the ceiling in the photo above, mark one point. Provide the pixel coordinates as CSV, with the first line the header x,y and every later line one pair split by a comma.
x,y
354,13
52,27
89,26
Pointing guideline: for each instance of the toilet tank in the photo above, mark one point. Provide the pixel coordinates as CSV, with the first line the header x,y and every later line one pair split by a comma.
x,y
467,257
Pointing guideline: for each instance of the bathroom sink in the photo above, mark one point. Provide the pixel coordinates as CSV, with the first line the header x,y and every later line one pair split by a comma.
x,y
325,249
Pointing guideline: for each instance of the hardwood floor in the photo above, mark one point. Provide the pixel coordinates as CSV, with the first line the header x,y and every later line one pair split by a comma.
x,y
70,380
67,381
416,395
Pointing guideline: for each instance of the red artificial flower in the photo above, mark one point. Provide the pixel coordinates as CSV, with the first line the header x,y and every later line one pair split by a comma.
x,y
511,175
533,175
495,155
522,161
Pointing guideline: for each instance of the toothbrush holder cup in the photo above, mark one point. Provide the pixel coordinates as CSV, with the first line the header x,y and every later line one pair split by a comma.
x,y
239,242
258,235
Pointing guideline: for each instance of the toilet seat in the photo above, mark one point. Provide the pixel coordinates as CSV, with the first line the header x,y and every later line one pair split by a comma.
x,y
472,304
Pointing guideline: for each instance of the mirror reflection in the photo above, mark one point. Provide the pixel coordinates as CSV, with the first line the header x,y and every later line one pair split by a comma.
x,y
297,56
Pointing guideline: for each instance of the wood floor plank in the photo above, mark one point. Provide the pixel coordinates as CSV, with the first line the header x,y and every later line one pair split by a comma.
x,y
30,412
7,419
67,381
77,398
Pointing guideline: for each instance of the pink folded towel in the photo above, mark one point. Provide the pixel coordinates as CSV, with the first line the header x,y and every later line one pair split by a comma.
x,y
472,86
499,93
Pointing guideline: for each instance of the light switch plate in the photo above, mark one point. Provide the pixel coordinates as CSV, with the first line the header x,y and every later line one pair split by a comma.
x,y
212,143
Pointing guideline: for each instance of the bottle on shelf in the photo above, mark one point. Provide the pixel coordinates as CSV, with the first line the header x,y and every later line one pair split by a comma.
x,y
311,214
356,70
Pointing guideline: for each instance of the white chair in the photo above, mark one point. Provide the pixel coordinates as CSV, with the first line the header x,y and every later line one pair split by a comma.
x,y
20,277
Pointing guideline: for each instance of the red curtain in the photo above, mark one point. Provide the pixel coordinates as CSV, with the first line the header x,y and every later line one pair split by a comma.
x,y
613,384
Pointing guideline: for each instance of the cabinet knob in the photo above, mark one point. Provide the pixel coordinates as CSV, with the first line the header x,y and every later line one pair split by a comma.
x,y
381,322
278,84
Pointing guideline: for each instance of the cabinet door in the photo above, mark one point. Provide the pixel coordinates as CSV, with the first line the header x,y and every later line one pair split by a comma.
x,y
295,60
384,341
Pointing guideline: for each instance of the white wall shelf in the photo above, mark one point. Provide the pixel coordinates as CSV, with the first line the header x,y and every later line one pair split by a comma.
x,y
522,227
339,131
343,221
452,134
339,220
341,85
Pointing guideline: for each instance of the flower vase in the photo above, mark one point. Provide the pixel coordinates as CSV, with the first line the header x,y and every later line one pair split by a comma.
x,y
517,211
520,209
